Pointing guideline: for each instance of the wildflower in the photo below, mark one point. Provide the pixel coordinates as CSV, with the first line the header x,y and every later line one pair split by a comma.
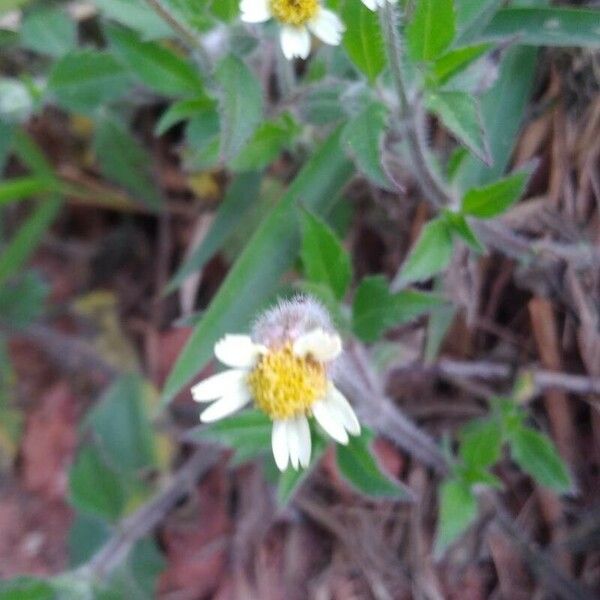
x,y
375,4
285,368
298,19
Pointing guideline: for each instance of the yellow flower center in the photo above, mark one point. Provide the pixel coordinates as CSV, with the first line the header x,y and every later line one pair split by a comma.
x,y
294,12
284,385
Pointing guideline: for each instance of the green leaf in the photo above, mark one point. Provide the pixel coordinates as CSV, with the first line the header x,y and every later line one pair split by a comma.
x,y
431,29
359,467
22,301
324,258
123,160
122,426
182,110
459,112
536,454
27,588
472,17
502,110
267,143
455,61
363,137
248,432
363,40
85,79
241,105
154,65
24,243
270,251
225,10
494,199
458,509
49,31
376,310
481,443
431,253
240,197
86,535
547,26
94,487
459,226
137,15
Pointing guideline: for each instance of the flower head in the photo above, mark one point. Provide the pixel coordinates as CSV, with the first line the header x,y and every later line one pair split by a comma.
x,y
285,368
298,18
375,4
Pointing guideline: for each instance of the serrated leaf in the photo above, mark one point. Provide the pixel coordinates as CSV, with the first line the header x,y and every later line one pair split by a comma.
x,y
494,199
324,258
431,29
252,279
137,15
459,112
375,309
122,427
241,105
240,197
359,467
481,443
363,135
125,161
94,487
536,454
363,40
457,510
49,31
431,253
85,79
455,61
154,65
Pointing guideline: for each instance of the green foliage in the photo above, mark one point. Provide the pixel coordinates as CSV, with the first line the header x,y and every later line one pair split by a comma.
x,y
136,14
431,29
457,510
27,588
253,279
241,105
123,160
323,256
359,467
376,310
22,301
49,31
363,40
83,80
363,136
494,199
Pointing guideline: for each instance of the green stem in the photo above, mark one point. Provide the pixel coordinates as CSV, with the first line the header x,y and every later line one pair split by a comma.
x,y
412,114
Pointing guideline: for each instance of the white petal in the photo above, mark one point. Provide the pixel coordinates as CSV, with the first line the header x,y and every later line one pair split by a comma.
x,y
225,406
255,11
371,4
322,346
304,440
327,26
327,419
295,42
238,351
346,413
293,440
218,385
279,443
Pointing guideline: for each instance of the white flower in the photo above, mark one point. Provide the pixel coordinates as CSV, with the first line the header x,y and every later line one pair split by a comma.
x,y
375,4
298,19
288,381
